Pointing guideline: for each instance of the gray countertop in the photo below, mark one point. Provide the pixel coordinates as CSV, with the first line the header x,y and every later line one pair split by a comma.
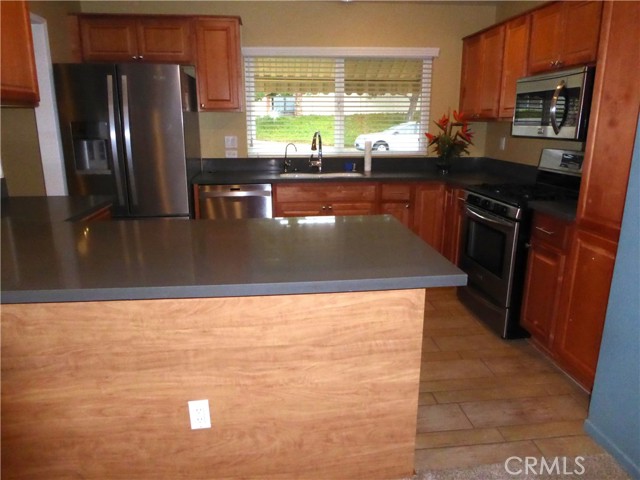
x,y
564,210
458,179
148,259
51,209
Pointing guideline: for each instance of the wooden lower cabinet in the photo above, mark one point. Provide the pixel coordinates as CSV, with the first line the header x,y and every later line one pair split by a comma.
x,y
543,289
418,205
306,199
452,223
585,294
429,213
396,199
569,274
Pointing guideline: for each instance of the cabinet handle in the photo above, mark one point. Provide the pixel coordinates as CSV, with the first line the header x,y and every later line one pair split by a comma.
x,y
406,205
135,57
547,232
330,207
141,57
202,105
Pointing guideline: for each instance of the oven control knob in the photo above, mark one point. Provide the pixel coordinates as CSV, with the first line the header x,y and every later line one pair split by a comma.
x,y
485,203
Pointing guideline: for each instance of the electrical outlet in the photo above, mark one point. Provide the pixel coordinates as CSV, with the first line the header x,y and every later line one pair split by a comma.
x,y
230,141
199,414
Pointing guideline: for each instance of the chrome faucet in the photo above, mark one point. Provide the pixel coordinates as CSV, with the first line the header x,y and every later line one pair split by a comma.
x,y
287,162
318,147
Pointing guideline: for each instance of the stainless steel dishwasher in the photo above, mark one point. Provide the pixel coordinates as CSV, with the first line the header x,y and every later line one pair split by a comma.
x,y
225,202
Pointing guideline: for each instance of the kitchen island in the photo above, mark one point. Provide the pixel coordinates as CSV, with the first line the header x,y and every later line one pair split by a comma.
x,y
304,334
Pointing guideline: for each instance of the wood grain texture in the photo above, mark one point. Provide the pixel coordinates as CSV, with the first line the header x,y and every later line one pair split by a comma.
x,y
307,386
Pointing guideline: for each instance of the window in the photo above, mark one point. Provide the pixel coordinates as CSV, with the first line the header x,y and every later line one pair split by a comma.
x,y
376,95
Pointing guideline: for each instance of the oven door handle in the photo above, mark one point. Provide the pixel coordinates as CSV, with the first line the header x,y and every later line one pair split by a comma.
x,y
489,219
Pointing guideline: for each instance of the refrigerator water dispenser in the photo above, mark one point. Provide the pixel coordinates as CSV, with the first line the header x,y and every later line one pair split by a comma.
x,y
90,147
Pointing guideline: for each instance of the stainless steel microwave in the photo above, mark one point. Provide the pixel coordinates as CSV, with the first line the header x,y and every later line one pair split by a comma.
x,y
554,105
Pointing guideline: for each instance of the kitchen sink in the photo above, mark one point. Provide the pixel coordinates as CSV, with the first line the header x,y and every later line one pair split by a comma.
x,y
305,175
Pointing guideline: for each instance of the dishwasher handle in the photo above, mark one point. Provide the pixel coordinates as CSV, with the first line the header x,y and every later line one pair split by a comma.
x,y
220,191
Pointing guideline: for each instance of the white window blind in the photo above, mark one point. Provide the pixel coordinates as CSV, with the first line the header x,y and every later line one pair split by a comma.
x,y
348,99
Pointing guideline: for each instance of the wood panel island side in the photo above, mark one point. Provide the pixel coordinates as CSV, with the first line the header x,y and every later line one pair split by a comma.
x,y
305,337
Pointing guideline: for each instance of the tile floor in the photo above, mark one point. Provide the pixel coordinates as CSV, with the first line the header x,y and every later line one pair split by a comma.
x,y
484,399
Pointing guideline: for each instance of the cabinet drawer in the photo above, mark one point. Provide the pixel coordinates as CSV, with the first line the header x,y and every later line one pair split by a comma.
x,y
396,192
326,192
551,231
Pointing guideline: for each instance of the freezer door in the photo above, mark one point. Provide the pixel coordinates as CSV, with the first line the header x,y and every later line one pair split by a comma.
x,y
89,112
154,141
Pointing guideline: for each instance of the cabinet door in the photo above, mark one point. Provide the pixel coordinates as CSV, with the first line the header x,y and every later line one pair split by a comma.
x,y
564,34
492,56
108,38
481,73
614,116
471,71
545,268
298,209
401,210
453,214
395,199
349,208
580,324
514,65
19,81
218,64
546,33
428,213
165,40
581,33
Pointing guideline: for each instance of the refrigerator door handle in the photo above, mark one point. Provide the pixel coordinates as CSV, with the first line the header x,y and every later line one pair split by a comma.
x,y
127,141
113,141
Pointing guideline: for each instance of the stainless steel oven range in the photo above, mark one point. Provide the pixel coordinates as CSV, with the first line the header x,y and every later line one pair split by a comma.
x,y
495,235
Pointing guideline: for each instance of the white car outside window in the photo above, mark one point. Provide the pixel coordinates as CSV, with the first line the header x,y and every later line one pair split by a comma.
x,y
402,137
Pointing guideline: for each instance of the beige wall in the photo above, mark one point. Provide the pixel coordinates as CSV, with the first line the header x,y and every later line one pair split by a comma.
x,y
20,151
336,24
289,23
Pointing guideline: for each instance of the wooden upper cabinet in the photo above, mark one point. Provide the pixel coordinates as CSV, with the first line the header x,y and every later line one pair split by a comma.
x,y
564,34
482,73
117,38
471,71
165,40
514,65
218,63
19,79
614,118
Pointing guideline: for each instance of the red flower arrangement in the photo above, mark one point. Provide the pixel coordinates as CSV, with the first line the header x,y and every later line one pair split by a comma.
x,y
448,144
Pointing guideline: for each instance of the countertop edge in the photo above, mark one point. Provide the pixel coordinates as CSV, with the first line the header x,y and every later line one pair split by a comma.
x,y
217,291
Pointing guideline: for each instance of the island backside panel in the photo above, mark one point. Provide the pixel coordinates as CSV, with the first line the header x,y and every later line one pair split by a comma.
x,y
305,386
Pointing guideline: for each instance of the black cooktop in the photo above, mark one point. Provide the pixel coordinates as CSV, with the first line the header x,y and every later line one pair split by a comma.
x,y
519,194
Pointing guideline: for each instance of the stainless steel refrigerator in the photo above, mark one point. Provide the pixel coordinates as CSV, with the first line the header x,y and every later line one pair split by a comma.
x,y
127,131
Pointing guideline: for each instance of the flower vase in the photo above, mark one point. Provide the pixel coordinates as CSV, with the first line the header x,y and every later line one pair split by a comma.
x,y
443,165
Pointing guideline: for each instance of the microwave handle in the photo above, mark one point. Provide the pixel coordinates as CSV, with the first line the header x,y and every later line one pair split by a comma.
x,y
554,104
